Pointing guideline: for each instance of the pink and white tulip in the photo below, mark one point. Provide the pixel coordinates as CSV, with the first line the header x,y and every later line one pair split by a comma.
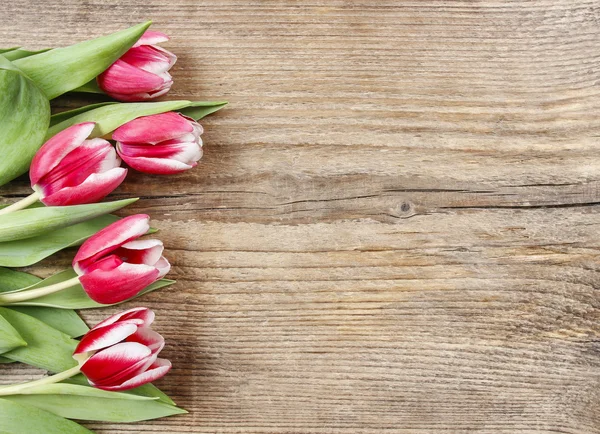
x,y
162,144
142,73
113,265
122,351
70,170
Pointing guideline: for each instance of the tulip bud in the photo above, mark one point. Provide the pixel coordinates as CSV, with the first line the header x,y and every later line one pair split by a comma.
x,y
161,144
113,265
70,170
142,72
124,352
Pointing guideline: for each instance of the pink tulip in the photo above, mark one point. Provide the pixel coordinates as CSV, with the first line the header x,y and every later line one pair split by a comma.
x,y
70,170
113,265
142,72
161,144
121,352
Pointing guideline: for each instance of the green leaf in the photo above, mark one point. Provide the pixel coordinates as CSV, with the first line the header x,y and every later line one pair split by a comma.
x,y
80,390
199,109
110,117
31,222
64,320
9,337
87,403
21,253
24,119
11,280
90,87
19,53
63,116
4,360
148,390
47,348
75,297
16,418
63,69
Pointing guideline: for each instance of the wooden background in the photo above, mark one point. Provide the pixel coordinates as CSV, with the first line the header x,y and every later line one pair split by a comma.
x,y
395,225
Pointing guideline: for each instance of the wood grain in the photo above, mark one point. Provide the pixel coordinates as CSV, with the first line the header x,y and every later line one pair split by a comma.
x,y
395,224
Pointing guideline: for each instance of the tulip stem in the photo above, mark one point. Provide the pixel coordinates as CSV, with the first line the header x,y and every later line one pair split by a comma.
x,y
29,294
23,203
24,388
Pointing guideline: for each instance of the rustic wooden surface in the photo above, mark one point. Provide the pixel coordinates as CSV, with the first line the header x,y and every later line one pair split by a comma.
x,y
395,225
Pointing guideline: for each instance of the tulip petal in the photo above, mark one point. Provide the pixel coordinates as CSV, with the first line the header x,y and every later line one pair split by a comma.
x,y
163,267
114,360
123,78
96,187
57,148
106,336
130,371
149,59
158,166
92,156
157,370
148,337
170,56
141,251
151,37
142,96
125,281
143,314
110,238
153,129
107,263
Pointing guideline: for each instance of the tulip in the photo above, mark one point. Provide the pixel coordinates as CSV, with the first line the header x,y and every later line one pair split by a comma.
x,y
124,352
160,144
112,265
70,170
118,354
142,72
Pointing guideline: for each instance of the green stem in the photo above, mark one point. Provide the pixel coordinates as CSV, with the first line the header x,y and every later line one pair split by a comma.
x,y
23,203
20,389
19,296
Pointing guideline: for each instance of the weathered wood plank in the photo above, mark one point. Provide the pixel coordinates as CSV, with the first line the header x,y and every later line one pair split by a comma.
x,y
394,225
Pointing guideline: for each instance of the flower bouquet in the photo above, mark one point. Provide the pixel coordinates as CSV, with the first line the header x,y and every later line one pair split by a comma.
x,y
75,160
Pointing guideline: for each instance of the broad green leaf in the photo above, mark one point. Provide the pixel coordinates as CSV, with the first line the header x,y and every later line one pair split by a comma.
x,y
6,50
31,222
80,390
199,109
9,337
47,348
110,117
64,320
11,280
4,360
148,390
151,390
90,87
87,403
63,69
24,119
75,297
63,116
16,418
19,53
21,253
